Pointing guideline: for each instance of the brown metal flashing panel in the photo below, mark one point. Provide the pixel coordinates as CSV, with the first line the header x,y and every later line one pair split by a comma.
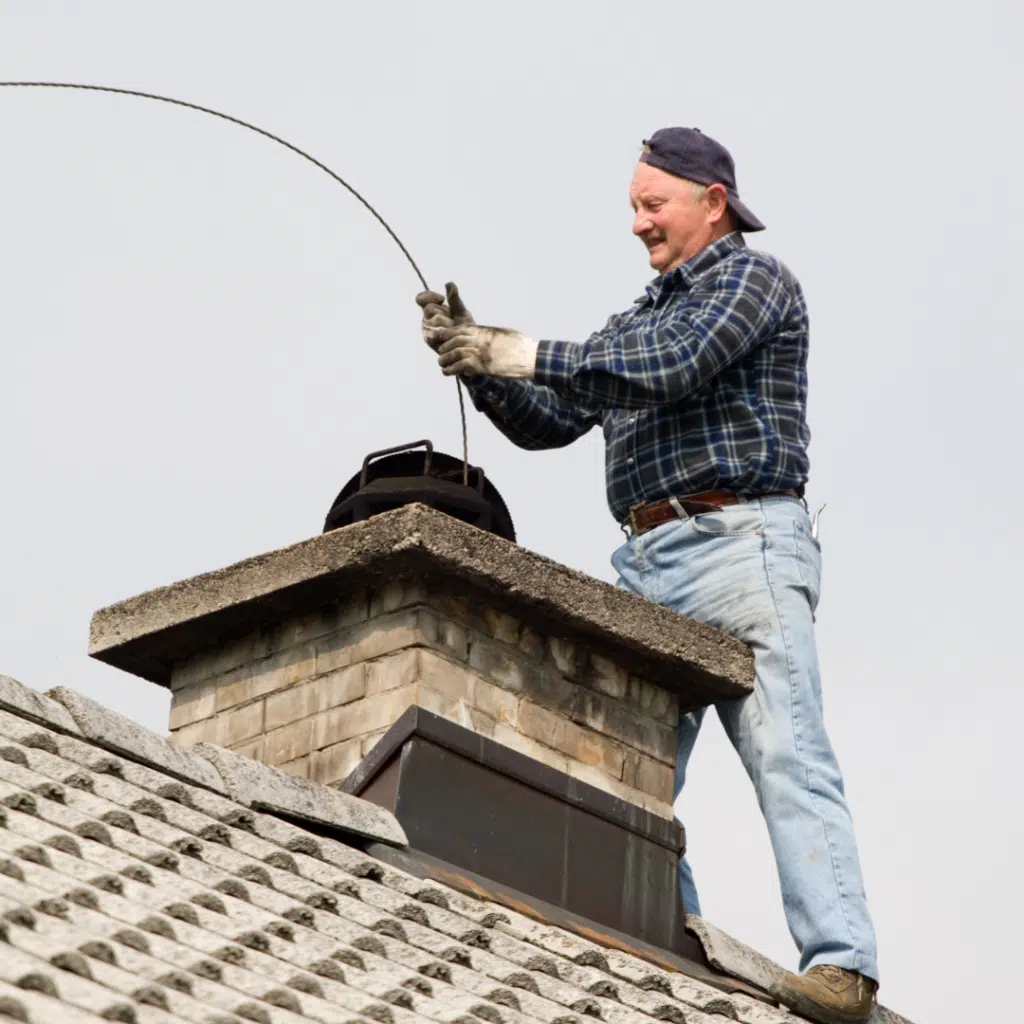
x,y
482,750
497,814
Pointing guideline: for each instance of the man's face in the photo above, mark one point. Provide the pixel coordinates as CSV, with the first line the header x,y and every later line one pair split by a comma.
x,y
668,220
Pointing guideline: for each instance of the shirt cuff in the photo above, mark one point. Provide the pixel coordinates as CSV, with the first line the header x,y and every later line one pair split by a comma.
x,y
557,363
486,392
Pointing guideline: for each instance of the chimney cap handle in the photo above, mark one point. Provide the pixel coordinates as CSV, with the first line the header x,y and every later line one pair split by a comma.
x,y
428,454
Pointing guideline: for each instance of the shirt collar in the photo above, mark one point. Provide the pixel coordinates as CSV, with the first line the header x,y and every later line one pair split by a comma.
x,y
686,273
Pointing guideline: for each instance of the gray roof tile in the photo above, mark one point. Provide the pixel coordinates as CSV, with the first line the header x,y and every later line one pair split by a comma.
x,y
120,734
258,785
128,894
34,706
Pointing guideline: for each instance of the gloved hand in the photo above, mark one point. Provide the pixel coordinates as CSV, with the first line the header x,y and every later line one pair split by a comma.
x,y
464,347
437,315
494,351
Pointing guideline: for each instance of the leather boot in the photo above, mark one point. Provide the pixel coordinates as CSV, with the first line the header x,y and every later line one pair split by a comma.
x,y
828,995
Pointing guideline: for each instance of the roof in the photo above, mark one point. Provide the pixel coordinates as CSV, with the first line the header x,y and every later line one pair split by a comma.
x,y
141,882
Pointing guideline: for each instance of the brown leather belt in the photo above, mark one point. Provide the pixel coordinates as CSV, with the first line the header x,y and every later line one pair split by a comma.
x,y
644,517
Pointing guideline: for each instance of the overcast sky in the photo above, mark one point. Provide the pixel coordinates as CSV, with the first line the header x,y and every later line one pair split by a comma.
x,y
202,335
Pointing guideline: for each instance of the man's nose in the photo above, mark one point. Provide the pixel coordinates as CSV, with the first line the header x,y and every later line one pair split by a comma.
x,y
641,223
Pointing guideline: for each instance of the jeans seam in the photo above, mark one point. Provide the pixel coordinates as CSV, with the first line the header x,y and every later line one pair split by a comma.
x,y
840,885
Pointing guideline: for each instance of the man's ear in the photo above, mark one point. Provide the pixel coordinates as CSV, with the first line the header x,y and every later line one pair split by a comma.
x,y
717,200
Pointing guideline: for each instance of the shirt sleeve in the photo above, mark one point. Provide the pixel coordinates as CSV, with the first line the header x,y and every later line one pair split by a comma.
x,y
529,415
631,364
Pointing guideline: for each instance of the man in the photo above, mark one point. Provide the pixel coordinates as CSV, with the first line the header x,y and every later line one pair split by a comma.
x,y
701,390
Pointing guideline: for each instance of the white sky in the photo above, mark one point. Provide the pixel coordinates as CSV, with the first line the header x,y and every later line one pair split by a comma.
x,y
202,335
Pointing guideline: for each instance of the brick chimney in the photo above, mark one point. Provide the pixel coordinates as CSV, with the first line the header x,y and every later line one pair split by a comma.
x,y
338,658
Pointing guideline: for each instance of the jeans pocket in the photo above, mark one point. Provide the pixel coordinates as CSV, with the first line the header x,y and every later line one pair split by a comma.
x,y
730,521
808,562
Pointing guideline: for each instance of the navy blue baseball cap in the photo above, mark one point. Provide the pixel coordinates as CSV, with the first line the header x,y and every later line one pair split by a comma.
x,y
689,153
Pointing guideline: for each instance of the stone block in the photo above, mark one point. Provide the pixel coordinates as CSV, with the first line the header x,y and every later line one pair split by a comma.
x,y
512,671
286,668
290,705
495,702
205,731
334,763
514,739
604,675
357,719
241,724
595,777
648,775
250,748
532,644
395,595
193,703
218,660
565,656
25,702
393,670
412,627
499,625
481,723
454,638
446,677
349,610
624,723
455,709
455,606
264,788
299,768
121,735
288,743
653,700
228,729
342,686
582,745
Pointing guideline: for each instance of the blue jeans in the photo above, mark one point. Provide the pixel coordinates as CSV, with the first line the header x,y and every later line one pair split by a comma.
x,y
754,571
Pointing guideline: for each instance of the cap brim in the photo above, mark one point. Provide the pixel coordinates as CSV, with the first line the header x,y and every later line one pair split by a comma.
x,y
745,220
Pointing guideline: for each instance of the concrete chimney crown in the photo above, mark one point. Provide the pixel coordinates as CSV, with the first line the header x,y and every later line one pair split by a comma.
x,y
304,657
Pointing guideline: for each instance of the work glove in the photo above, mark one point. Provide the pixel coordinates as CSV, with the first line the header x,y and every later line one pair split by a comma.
x,y
494,351
441,311
464,347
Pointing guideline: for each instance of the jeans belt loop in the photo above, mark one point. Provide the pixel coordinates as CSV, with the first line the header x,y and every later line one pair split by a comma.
x,y
678,509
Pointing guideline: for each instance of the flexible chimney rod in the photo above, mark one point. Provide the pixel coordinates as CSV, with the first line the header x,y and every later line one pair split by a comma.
x,y
295,149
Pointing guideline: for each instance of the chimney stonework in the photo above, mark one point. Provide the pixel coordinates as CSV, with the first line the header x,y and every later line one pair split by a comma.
x,y
304,657
315,693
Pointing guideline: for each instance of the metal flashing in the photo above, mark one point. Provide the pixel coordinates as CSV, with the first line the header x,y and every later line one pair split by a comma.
x,y
482,750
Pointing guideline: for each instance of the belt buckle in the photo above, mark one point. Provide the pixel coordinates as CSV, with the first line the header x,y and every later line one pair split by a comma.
x,y
633,525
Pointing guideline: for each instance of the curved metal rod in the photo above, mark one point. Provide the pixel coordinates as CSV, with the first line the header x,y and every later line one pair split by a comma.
x,y
295,149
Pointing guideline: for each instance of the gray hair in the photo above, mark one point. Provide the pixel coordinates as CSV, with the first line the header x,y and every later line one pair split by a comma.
x,y
697,189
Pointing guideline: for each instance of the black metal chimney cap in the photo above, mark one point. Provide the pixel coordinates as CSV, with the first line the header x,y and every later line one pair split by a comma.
x,y
399,476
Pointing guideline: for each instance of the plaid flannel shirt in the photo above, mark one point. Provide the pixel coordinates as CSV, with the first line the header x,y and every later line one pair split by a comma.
x,y
700,386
